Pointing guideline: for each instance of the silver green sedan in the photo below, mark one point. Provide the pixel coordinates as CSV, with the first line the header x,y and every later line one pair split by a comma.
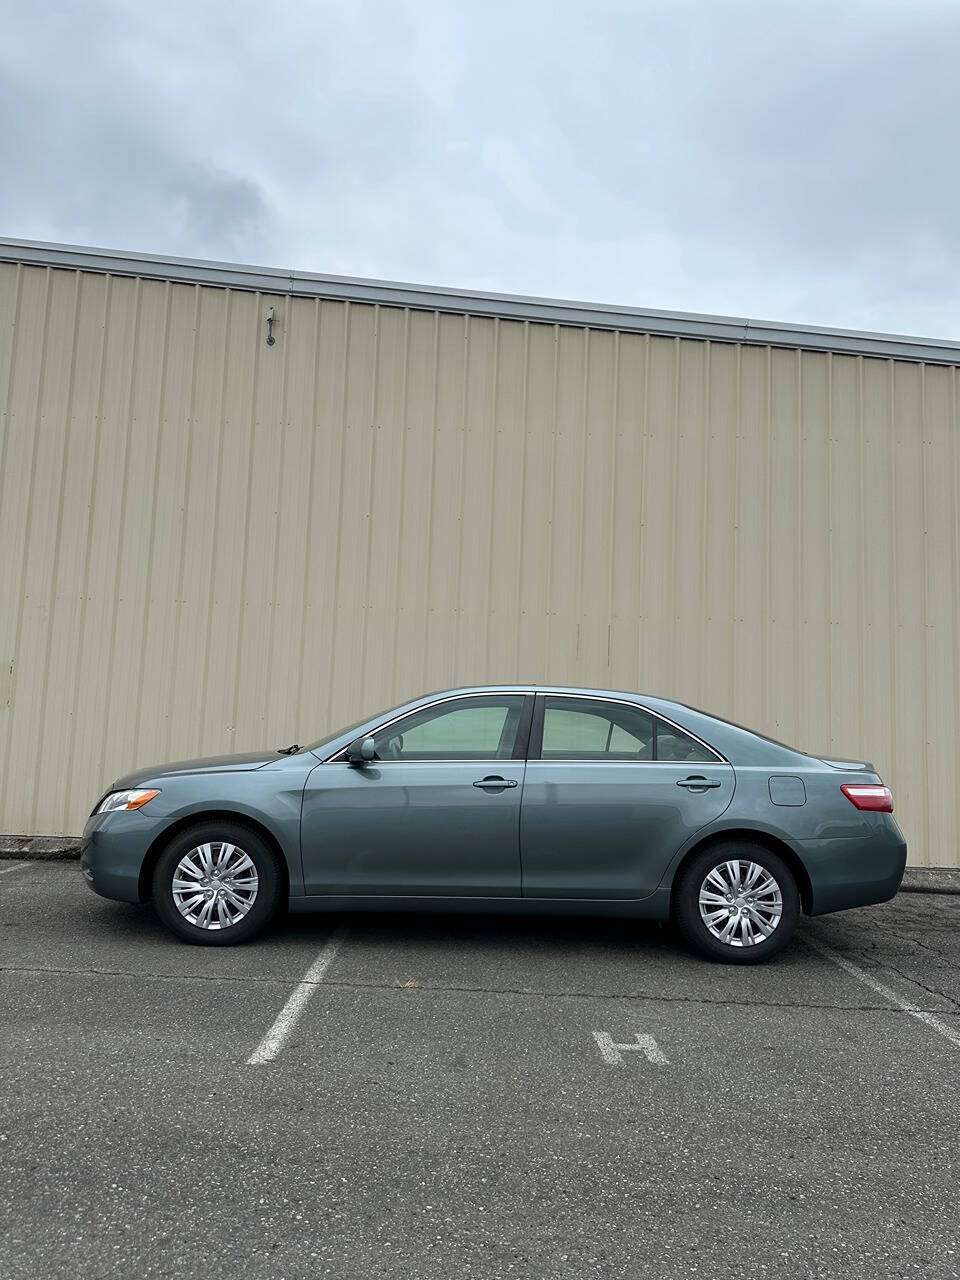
x,y
511,799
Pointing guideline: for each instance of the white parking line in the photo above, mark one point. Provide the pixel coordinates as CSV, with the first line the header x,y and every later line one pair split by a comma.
x,y
928,1019
16,866
287,1019
612,1052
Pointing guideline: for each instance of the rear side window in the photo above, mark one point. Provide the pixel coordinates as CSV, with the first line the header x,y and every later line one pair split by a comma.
x,y
591,729
674,744
587,729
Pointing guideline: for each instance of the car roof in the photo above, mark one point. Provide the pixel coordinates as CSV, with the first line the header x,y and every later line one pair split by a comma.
x,y
735,743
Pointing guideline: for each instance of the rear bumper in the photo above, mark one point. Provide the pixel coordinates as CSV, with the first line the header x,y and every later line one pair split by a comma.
x,y
112,851
856,871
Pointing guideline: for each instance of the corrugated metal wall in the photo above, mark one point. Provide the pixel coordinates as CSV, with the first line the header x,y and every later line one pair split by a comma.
x,y
208,543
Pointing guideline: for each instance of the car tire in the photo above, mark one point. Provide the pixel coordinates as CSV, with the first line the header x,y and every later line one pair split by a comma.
x,y
700,925
241,904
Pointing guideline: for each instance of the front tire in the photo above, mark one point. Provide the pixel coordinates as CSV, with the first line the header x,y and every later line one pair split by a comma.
x,y
737,902
216,884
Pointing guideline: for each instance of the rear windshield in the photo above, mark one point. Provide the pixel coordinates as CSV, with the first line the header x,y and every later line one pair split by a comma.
x,y
765,737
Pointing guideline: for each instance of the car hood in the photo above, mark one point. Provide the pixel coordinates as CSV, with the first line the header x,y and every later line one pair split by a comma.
x,y
208,764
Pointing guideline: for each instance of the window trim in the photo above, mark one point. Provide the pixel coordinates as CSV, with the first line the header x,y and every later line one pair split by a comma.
x,y
535,750
521,739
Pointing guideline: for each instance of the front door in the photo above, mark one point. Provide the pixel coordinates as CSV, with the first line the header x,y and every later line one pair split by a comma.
x,y
611,794
435,814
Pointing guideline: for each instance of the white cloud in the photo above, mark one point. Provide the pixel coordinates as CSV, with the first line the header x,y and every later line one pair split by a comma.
x,y
790,161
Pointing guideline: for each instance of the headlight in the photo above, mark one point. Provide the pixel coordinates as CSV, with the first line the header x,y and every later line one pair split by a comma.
x,y
125,800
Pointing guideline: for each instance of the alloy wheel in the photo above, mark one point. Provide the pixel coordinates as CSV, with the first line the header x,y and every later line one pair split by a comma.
x,y
740,903
215,885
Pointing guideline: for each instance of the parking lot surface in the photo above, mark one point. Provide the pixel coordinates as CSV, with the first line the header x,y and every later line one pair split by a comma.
x,y
457,1096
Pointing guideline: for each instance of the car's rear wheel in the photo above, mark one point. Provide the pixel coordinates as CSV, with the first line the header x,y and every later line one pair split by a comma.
x,y
737,902
216,884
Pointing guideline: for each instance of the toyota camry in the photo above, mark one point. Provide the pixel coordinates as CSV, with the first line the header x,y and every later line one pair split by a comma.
x,y
507,799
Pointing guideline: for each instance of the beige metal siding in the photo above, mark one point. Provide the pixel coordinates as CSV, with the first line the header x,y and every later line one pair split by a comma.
x,y
210,544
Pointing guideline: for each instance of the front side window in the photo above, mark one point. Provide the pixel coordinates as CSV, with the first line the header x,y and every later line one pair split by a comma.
x,y
591,729
465,729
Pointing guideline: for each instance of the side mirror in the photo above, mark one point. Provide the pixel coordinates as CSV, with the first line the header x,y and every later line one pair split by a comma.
x,y
362,751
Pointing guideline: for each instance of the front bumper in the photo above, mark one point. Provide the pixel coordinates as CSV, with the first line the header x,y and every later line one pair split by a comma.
x,y
855,871
112,851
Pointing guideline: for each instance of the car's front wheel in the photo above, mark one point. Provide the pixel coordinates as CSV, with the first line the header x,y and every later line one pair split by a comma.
x,y
217,883
737,902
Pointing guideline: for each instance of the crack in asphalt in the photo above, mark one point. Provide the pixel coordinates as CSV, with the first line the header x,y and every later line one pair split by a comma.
x,y
395,985
870,954
931,990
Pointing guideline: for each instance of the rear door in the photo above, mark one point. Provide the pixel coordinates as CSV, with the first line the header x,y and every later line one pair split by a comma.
x,y
611,792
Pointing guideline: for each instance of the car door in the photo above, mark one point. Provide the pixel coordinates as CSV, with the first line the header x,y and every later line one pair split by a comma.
x,y
611,792
436,813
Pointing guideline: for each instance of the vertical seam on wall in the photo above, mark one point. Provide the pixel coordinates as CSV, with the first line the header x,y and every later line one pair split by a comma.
x,y
671,604
55,567
924,622
551,542
427,632
87,554
735,534
28,520
704,514
766,593
308,548
404,430
278,521
374,428
828,683
955,558
861,562
798,645
525,441
157,454
894,567
642,549
335,605
612,497
184,522
461,483
11,369
121,523
215,526
5,434
584,399
493,491
251,451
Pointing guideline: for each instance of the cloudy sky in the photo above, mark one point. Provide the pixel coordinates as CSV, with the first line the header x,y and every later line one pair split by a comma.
x,y
781,160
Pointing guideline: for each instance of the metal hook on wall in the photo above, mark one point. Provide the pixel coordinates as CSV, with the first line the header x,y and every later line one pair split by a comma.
x,y
271,321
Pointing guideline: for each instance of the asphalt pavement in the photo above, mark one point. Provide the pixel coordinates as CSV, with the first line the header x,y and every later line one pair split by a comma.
x,y
472,1097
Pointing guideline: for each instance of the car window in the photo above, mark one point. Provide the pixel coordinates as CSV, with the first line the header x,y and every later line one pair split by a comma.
x,y
591,729
587,729
674,744
467,729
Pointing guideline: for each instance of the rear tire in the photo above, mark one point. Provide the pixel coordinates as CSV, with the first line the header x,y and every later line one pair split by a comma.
x,y
736,902
217,884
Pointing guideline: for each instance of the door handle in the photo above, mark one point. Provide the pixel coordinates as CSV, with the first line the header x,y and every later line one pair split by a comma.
x,y
698,784
495,784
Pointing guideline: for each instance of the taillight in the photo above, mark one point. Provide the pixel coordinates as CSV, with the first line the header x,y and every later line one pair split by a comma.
x,y
864,795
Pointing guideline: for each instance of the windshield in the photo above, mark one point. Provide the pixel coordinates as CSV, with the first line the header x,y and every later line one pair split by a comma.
x,y
347,728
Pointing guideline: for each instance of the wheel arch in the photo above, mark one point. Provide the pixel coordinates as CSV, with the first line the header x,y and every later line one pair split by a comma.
x,y
197,819
752,836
